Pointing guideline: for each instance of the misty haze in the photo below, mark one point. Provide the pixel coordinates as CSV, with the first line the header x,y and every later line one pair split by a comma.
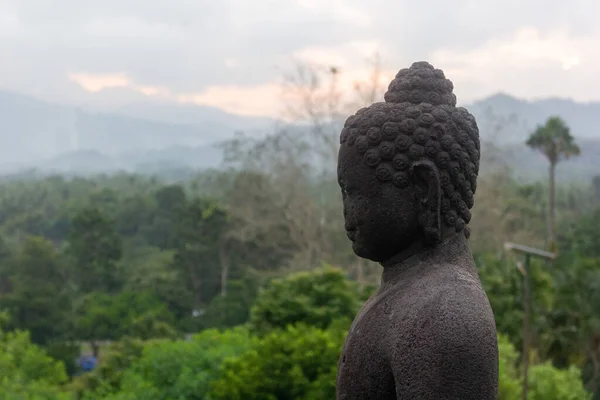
x,y
171,221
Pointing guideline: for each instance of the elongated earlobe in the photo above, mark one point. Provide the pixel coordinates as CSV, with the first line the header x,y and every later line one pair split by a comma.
x,y
425,176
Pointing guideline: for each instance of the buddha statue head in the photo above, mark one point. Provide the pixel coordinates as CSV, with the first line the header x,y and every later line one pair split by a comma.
x,y
408,166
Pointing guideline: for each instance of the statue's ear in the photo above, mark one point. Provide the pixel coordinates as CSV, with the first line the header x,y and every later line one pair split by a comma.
x,y
426,180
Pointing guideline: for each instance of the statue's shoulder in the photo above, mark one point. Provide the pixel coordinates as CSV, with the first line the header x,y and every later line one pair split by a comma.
x,y
446,298
456,313
449,340
455,290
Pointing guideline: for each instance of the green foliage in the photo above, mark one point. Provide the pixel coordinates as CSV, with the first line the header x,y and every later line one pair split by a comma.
x,y
37,301
509,383
181,369
549,383
150,270
313,298
545,381
554,140
26,372
102,316
171,202
575,319
583,237
135,215
234,308
106,378
94,248
503,283
299,362
65,352
197,258
131,258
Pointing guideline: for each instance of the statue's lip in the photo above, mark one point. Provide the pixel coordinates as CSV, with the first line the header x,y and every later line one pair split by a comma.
x,y
351,233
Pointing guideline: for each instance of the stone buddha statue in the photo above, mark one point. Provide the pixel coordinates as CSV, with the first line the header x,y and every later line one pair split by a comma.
x,y
408,169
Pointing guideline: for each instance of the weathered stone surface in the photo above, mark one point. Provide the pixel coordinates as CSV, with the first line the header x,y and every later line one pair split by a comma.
x,y
408,173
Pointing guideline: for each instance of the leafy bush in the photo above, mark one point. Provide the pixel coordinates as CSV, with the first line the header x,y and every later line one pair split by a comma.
x,y
315,298
545,381
106,378
106,316
299,362
180,369
66,352
26,371
234,308
549,383
509,383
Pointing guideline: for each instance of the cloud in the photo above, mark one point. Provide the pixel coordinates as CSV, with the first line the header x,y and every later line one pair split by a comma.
x,y
98,82
180,44
341,10
217,52
9,24
352,59
529,64
260,100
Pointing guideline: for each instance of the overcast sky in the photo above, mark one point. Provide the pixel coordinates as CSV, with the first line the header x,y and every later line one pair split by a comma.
x,y
230,53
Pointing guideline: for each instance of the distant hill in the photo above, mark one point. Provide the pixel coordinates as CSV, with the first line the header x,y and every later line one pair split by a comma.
x,y
92,162
520,117
508,121
193,115
143,161
32,130
530,165
527,165
148,136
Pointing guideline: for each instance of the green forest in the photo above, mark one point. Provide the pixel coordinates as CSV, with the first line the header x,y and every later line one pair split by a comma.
x,y
239,283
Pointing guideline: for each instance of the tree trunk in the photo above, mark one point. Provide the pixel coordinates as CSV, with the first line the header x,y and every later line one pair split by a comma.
x,y
196,283
596,185
95,348
596,370
224,266
552,209
592,384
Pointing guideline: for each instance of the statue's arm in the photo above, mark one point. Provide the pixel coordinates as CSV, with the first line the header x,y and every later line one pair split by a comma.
x,y
451,351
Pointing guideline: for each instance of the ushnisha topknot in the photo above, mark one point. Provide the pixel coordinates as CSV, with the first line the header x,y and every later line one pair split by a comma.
x,y
419,120
421,83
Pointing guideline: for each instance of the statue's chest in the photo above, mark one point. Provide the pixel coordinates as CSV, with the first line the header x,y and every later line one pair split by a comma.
x,y
364,369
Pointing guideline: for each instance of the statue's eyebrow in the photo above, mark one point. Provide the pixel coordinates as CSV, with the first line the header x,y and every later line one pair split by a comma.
x,y
347,184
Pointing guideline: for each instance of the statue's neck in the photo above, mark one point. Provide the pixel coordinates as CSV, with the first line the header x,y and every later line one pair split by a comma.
x,y
452,249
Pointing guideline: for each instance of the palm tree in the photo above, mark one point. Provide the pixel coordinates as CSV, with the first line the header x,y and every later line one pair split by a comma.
x,y
553,140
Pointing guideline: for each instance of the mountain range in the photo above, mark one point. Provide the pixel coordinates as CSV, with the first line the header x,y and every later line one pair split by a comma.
x,y
152,136
42,134
519,117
